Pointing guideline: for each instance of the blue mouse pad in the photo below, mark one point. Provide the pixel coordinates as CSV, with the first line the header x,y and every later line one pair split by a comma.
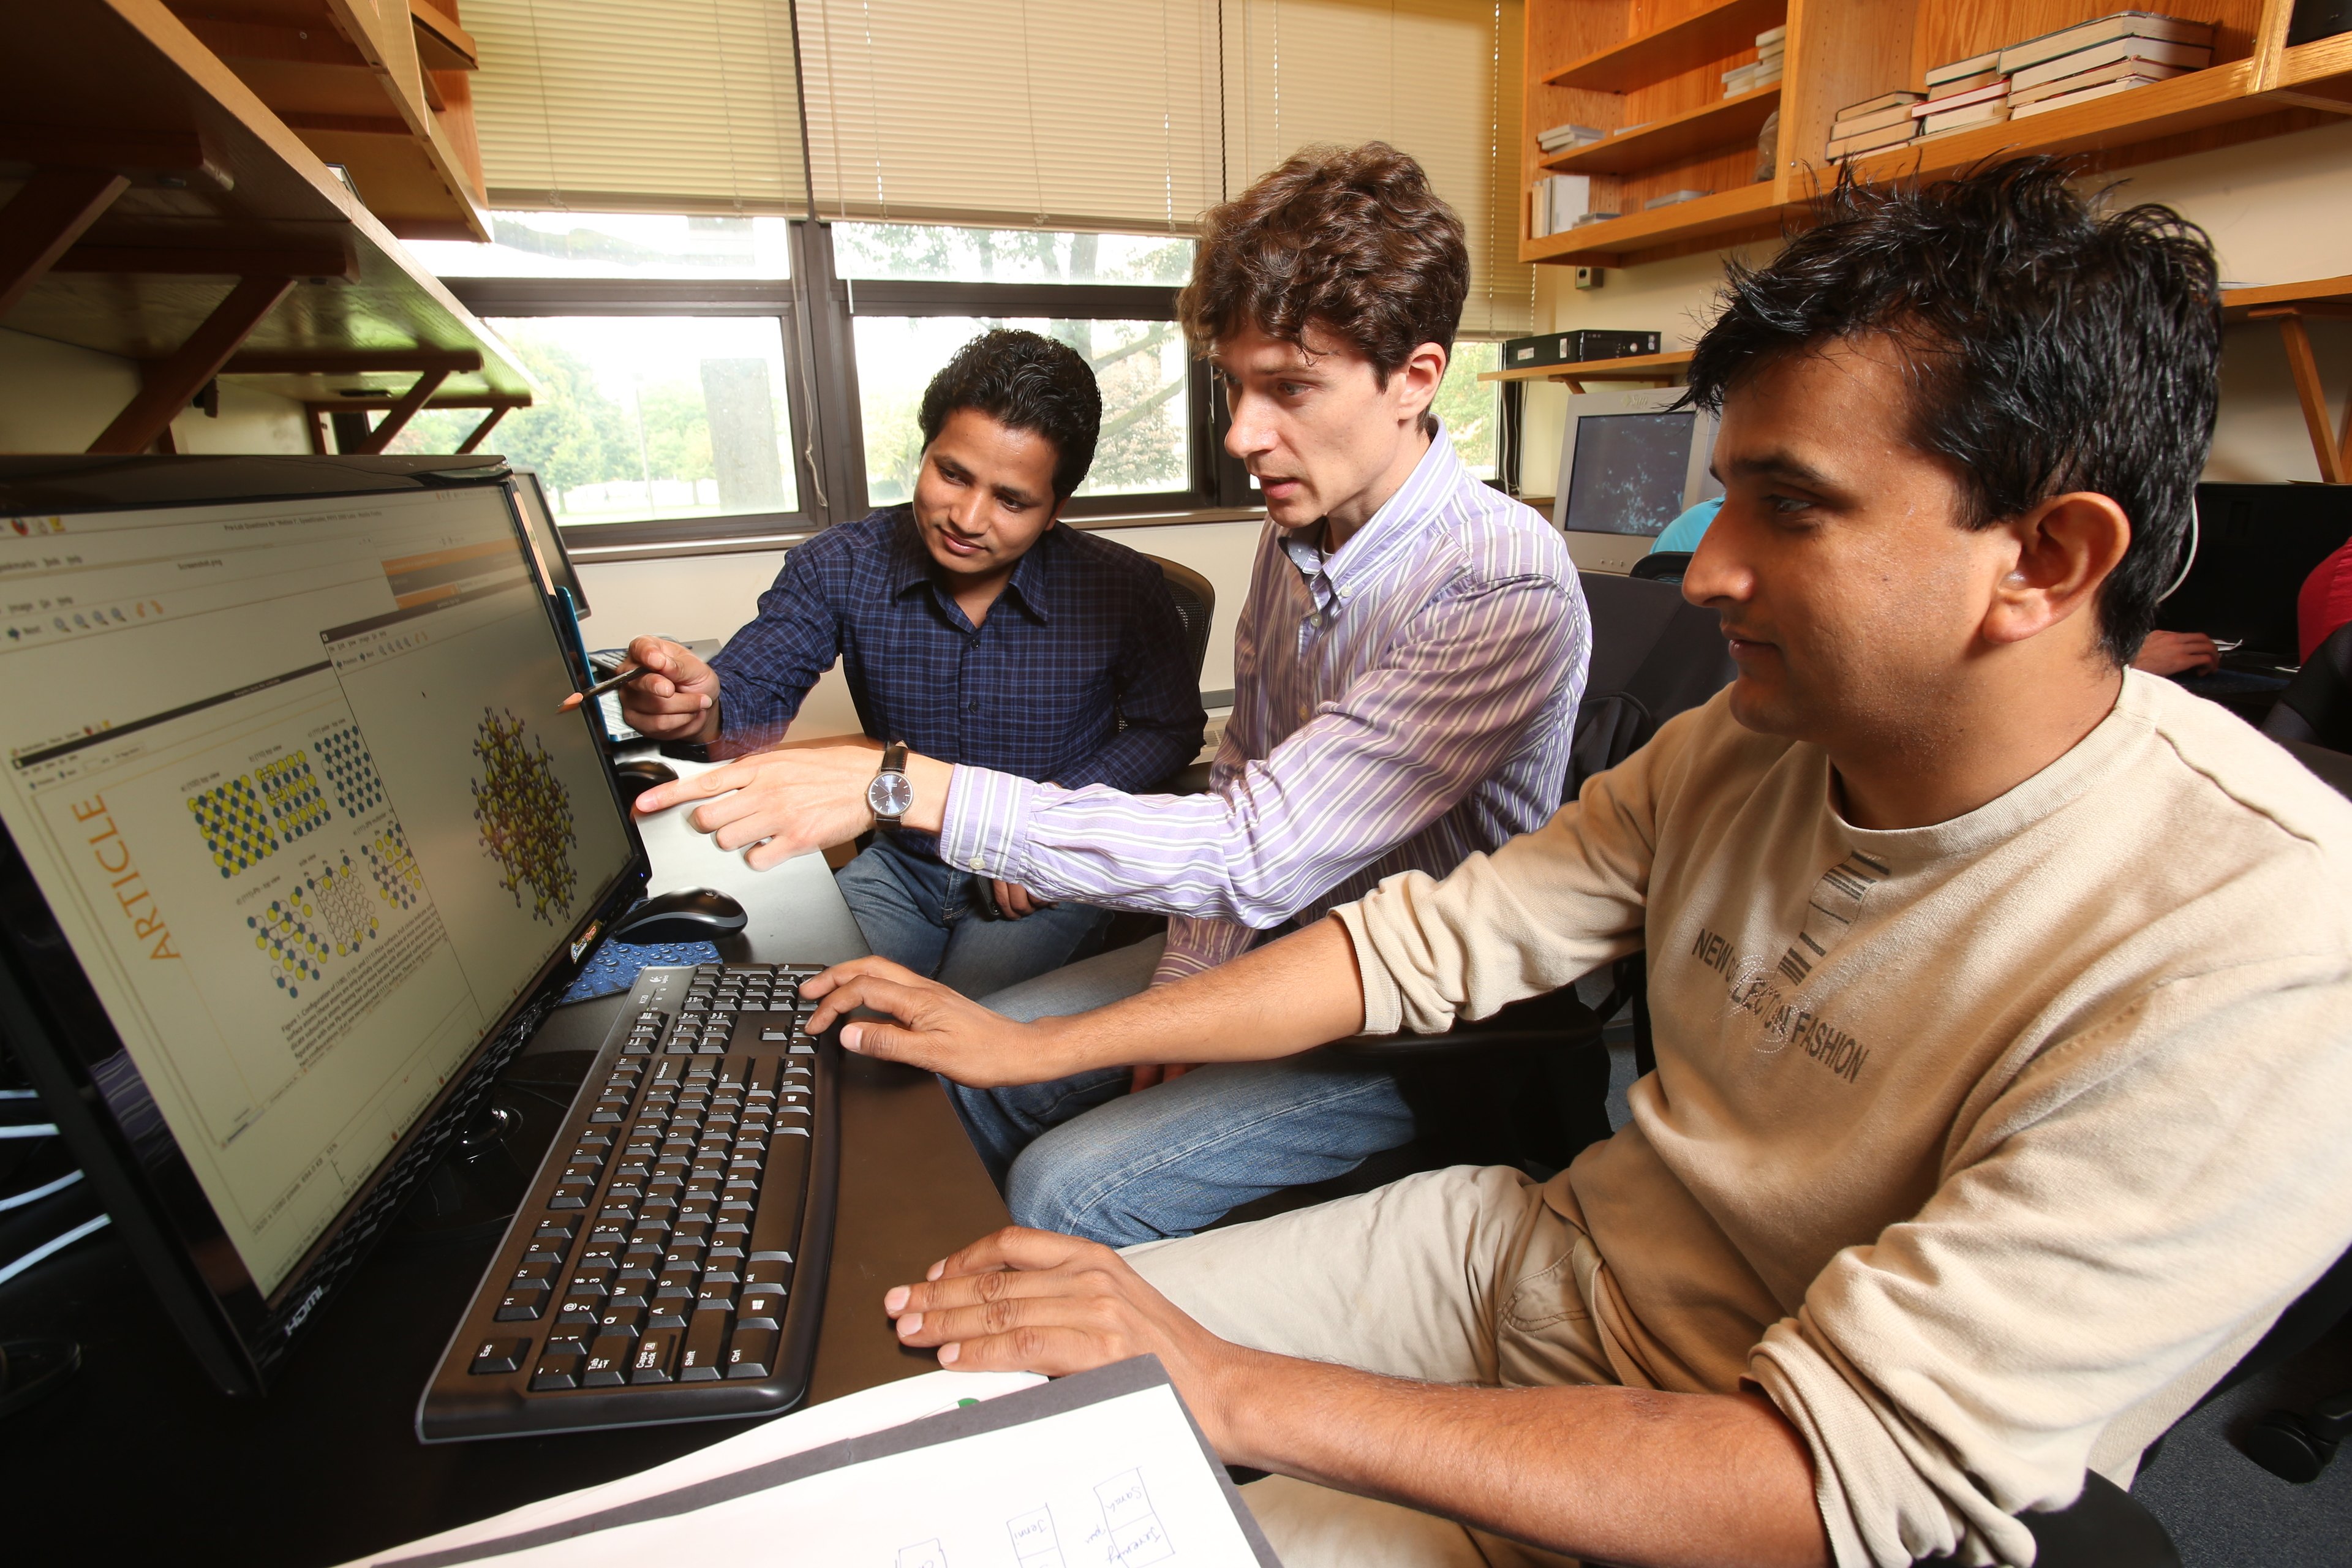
x,y
613,967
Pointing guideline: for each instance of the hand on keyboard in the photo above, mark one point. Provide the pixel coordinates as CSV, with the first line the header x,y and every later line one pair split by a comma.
x,y
937,1028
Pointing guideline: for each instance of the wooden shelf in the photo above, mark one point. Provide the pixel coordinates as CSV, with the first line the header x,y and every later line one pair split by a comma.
x,y
1742,208
1719,31
222,194
1635,367
2214,96
1718,124
2321,291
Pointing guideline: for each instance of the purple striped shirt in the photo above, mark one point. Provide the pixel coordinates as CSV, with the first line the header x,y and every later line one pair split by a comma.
x,y
1399,705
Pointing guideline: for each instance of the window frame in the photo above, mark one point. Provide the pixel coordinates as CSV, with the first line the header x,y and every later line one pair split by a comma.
x,y
822,397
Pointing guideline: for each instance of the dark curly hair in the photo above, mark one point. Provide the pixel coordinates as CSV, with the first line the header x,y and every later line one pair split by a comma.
x,y
1350,238
1026,383
2049,347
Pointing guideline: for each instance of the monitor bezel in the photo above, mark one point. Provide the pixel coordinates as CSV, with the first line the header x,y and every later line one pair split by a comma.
x,y
61,1032
556,568
1594,551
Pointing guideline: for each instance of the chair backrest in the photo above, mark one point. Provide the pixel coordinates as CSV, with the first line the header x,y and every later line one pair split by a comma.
x,y
2316,706
1662,567
1196,606
1654,655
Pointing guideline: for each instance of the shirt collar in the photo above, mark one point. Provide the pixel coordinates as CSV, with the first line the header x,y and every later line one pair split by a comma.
x,y
911,567
1332,578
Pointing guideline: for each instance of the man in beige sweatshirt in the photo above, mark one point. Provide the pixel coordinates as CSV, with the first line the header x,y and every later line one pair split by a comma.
x,y
2002,996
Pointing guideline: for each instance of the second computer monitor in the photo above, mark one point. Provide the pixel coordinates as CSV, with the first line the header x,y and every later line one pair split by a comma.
x,y
547,541
1630,463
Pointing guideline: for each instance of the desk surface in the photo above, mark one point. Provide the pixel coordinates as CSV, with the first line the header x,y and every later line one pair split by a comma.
x,y
139,1456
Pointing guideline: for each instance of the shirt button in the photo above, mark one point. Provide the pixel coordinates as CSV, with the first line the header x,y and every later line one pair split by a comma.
x,y
975,863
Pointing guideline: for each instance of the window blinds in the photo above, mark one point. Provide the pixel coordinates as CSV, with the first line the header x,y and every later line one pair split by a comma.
x,y
1438,78
637,105
1113,114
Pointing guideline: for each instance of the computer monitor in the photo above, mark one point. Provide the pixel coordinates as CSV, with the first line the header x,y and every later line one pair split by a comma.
x,y
547,551
2255,545
1630,463
296,848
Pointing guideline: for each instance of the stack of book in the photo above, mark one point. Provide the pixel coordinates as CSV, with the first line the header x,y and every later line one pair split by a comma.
x,y
2111,55
1769,65
1873,124
1565,138
1964,94
1558,201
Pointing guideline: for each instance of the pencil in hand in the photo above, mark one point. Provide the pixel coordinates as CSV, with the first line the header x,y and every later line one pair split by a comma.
x,y
612,683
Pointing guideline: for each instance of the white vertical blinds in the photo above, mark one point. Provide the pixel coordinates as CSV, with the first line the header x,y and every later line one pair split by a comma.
x,y
1112,114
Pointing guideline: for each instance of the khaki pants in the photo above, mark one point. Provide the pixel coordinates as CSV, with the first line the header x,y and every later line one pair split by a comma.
x,y
1462,1276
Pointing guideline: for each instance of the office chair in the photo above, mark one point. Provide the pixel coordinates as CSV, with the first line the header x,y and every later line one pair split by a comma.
x,y
2316,706
1196,606
1662,567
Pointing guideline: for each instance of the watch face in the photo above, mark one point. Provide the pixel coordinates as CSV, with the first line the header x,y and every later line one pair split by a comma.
x,y
890,794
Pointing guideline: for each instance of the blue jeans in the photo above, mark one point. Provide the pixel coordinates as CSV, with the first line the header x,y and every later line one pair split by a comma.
x,y
1084,1156
918,911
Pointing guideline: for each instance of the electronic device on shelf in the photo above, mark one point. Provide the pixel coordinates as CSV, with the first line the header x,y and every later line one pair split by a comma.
x,y
297,851
1630,463
669,1262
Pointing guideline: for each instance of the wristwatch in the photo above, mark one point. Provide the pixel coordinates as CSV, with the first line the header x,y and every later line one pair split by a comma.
x,y
890,794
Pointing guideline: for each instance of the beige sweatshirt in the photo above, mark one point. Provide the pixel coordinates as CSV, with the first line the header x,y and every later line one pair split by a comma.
x,y
1985,1148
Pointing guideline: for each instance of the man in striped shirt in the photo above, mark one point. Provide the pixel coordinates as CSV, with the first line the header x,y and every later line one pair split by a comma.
x,y
1407,670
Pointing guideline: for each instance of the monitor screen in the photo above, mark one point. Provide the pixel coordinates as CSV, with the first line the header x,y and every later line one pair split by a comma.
x,y
1629,471
290,778
547,541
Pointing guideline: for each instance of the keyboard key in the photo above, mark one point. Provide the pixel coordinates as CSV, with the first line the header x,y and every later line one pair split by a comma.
x,y
655,1352
761,1307
577,1314
628,1322
667,1315
590,1286
698,1357
571,1196
493,1357
522,1307
751,1353
556,1373
608,1363
544,1254
767,1274
715,1299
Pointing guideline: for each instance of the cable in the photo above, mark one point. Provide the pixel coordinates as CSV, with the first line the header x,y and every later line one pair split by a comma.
x,y
57,1244
33,1195
2187,562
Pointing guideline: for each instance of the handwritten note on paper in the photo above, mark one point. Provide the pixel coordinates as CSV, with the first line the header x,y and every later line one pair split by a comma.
x,y
1120,1482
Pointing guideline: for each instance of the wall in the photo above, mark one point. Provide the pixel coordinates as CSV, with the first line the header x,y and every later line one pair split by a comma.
x,y
2279,211
55,398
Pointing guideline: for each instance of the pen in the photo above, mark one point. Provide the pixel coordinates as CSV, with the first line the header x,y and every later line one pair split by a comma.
x,y
612,683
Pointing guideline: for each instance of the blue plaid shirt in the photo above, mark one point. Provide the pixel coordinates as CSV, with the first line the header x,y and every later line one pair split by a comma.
x,y
1083,638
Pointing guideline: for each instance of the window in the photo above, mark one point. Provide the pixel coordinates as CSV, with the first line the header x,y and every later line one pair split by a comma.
x,y
1141,366
705,380
650,417
1471,409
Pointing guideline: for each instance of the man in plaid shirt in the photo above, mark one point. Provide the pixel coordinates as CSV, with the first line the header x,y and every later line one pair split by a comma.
x,y
971,627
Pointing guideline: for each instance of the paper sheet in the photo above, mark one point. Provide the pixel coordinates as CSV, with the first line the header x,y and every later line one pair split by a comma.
x,y
874,1410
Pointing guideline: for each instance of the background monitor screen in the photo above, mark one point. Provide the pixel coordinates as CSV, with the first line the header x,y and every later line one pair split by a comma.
x,y
289,775
1629,471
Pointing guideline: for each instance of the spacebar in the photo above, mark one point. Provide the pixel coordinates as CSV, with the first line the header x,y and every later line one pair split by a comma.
x,y
776,1224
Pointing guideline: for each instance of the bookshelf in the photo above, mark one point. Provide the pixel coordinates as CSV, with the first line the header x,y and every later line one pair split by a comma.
x,y
1658,65
158,210
1664,367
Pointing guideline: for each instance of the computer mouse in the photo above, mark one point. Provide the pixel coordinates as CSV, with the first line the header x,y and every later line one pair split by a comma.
x,y
639,774
690,914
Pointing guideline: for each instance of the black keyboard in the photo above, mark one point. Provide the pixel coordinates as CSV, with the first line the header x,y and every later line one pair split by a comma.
x,y
668,1263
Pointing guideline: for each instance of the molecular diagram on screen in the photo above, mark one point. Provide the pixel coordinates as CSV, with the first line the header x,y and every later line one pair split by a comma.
x,y
288,935
398,882
524,813
342,899
351,772
234,825
297,805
